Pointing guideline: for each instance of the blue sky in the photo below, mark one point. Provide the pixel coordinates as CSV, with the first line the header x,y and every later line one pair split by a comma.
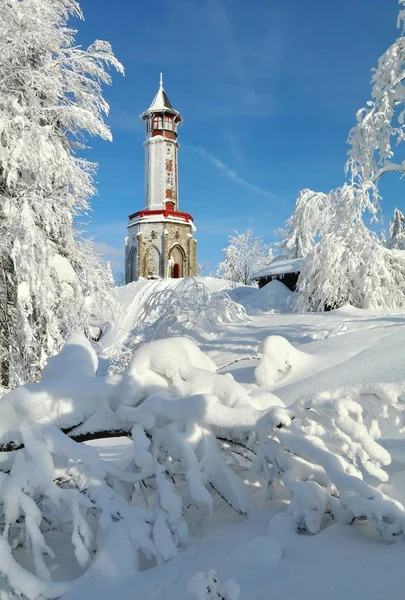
x,y
268,90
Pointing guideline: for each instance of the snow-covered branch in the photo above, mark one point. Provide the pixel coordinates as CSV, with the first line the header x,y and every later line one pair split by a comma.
x,y
195,435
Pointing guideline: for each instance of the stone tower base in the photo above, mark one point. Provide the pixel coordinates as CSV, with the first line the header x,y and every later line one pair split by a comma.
x,y
160,248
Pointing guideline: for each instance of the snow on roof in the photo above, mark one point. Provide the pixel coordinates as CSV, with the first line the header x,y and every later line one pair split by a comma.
x,y
280,267
294,265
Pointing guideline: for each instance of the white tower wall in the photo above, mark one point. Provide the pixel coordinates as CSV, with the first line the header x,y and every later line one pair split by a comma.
x,y
160,172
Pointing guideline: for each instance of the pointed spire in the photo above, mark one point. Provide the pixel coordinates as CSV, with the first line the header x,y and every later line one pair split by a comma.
x,y
161,101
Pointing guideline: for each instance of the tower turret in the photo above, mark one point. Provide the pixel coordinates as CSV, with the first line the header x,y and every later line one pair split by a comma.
x,y
161,149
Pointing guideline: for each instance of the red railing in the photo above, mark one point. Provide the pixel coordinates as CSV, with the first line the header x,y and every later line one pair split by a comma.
x,y
164,213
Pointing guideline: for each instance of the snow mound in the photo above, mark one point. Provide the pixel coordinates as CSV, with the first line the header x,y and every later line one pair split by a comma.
x,y
278,356
274,297
157,365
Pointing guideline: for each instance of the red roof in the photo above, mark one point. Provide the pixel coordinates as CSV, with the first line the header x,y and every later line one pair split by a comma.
x,y
165,213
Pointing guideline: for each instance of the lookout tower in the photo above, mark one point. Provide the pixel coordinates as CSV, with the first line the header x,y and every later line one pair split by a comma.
x,y
160,241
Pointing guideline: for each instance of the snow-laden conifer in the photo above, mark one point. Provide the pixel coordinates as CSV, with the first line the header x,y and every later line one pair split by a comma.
x,y
50,98
397,230
244,255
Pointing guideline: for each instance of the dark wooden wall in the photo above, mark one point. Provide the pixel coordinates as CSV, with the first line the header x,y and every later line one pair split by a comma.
x,y
289,279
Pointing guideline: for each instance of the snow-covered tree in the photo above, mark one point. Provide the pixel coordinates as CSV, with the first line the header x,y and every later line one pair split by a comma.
x,y
303,228
51,282
397,230
349,264
380,126
244,256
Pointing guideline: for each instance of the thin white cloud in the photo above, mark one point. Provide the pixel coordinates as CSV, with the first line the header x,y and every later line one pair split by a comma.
x,y
233,175
102,229
106,250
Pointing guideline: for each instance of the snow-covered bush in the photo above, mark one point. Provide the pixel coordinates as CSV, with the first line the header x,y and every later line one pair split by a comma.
x,y
208,587
195,434
169,403
51,283
324,459
187,309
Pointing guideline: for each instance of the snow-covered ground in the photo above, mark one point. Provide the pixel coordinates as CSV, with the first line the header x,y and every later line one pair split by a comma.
x,y
347,355
360,351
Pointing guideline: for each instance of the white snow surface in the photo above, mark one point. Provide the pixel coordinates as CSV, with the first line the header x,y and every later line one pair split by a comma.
x,y
348,365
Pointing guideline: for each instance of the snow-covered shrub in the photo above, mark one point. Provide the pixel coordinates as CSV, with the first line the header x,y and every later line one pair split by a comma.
x,y
208,587
324,459
67,395
187,309
173,401
195,435
178,310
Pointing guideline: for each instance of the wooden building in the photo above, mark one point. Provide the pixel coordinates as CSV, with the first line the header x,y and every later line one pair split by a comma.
x,y
286,271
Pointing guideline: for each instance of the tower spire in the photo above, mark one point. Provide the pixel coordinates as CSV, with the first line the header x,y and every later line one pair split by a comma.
x,y
160,101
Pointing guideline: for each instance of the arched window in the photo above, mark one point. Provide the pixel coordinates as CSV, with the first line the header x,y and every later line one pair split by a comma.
x,y
133,264
176,262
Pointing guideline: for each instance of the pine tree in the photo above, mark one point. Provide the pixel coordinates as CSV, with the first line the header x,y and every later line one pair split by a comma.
x,y
397,230
51,282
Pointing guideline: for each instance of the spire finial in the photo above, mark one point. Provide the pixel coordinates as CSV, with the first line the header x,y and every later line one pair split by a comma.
x,y
161,80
